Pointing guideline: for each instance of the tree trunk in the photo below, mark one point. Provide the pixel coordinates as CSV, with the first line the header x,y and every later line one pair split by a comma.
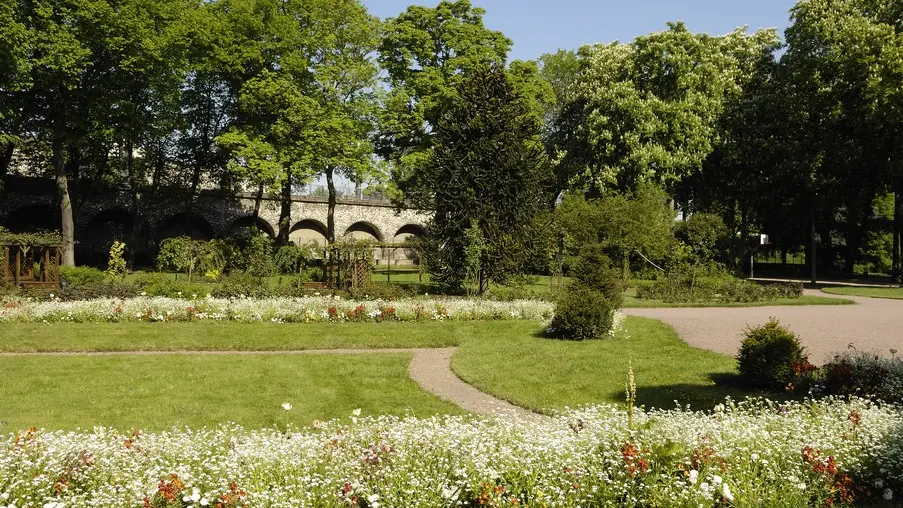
x,y
812,252
484,281
897,274
6,158
330,208
62,187
134,186
285,211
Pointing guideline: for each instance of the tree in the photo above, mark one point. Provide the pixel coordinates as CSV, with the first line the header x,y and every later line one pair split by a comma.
x,y
14,73
622,224
647,111
425,53
486,174
313,114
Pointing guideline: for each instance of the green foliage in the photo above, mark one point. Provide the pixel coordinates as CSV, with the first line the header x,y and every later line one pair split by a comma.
x,y
648,111
292,259
770,357
242,285
258,252
158,284
379,291
705,235
427,53
487,173
81,275
586,308
187,255
28,239
864,374
687,287
116,266
622,224
582,313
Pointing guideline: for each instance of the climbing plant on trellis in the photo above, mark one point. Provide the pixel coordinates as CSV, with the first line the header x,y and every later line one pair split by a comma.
x,y
31,259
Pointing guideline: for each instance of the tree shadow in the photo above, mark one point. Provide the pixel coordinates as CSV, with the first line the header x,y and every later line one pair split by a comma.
x,y
702,396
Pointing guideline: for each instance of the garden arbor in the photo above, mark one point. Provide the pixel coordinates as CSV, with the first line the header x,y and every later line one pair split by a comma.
x,y
31,264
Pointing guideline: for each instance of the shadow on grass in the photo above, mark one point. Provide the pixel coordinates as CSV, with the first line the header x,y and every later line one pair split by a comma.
x,y
702,396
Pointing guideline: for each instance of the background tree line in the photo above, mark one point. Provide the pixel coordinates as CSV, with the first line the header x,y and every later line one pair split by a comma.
x,y
798,139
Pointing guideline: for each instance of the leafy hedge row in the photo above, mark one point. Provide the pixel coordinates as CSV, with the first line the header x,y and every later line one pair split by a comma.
x,y
727,290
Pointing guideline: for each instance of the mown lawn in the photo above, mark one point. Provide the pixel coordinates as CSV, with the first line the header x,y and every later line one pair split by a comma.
x,y
543,374
870,292
227,336
157,392
173,386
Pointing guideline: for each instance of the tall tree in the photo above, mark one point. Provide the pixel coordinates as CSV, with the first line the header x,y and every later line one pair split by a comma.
x,y
647,111
484,179
425,53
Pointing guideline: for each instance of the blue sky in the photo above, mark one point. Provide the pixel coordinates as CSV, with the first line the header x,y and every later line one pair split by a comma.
x,y
540,26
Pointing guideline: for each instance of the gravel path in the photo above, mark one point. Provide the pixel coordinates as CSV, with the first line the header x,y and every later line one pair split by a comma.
x,y
873,324
430,368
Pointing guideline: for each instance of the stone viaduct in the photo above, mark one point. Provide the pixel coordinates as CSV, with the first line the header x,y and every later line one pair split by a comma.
x,y
104,214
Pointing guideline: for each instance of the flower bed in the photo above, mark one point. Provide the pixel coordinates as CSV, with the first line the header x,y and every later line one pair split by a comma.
x,y
288,310
755,453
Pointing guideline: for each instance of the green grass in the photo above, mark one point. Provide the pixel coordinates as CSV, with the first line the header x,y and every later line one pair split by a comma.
x,y
157,392
892,293
26,337
544,374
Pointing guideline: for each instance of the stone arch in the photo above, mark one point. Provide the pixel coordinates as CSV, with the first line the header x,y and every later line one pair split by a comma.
x,y
363,230
33,218
407,231
250,221
306,231
407,256
186,224
107,226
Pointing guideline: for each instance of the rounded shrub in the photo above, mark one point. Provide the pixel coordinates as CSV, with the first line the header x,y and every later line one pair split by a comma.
x,y
771,356
82,275
582,313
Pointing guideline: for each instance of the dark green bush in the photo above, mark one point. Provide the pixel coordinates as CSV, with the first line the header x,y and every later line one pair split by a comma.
x,y
582,313
508,294
93,291
242,284
81,275
865,375
592,269
159,284
771,356
680,288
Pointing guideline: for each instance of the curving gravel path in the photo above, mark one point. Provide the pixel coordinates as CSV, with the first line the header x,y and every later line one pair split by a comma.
x,y
873,324
430,368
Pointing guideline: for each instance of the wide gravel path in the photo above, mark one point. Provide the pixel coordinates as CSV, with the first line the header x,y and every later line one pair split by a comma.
x,y
873,324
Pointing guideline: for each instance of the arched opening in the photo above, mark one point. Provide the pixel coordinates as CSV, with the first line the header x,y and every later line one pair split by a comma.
x,y
306,231
244,225
364,231
34,218
100,233
407,256
186,224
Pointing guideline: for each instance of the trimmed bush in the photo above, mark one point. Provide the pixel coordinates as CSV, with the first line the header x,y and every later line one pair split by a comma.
x,y
158,284
679,288
379,291
582,313
771,356
240,285
81,275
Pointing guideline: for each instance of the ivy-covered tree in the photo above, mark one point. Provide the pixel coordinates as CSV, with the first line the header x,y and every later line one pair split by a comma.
x,y
484,179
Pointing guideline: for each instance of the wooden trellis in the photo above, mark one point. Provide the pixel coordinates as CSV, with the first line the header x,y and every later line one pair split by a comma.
x,y
31,265
347,269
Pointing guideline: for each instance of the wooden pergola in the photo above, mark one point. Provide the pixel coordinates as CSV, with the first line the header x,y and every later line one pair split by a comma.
x,y
32,265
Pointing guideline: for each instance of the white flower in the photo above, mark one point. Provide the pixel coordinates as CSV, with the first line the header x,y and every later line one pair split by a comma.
x,y
143,293
694,476
802,486
287,406
726,492
754,456
4,496
204,501
705,488
356,412
879,483
372,498
196,494
716,480
888,494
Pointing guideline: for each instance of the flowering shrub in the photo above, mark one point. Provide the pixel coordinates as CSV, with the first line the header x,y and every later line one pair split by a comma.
x,y
282,310
771,356
865,375
756,453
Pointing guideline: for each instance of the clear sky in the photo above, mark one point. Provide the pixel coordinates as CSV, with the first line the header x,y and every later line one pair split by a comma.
x,y
544,26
